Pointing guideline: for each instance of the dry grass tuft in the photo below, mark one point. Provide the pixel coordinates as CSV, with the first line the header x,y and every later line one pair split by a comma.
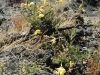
x,y
21,23
94,64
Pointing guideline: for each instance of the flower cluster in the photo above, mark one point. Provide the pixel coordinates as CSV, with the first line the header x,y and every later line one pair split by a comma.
x,y
25,4
41,12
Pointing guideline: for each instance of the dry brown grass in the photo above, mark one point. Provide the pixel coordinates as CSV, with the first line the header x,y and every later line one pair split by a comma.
x,y
94,67
18,22
21,23
94,64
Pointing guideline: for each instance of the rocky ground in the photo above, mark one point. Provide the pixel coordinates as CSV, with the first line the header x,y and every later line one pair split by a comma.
x,y
21,54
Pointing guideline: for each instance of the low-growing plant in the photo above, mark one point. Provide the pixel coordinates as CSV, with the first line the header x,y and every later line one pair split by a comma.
x,y
31,69
42,18
40,15
71,53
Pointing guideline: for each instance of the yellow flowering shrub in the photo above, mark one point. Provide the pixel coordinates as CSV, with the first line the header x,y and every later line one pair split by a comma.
x,y
41,15
43,21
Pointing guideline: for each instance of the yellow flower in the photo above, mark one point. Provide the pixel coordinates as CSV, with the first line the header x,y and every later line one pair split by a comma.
x,y
53,40
71,64
80,6
41,10
41,15
22,5
28,5
37,32
32,3
61,71
46,3
60,1
52,9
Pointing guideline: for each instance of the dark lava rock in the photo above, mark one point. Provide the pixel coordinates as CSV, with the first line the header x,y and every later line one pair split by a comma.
x,y
92,2
89,2
93,43
66,9
1,11
88,31
49,60
18,50
12,68
3,54
79,19
45,57
41,73
2,19
79,32
90,6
